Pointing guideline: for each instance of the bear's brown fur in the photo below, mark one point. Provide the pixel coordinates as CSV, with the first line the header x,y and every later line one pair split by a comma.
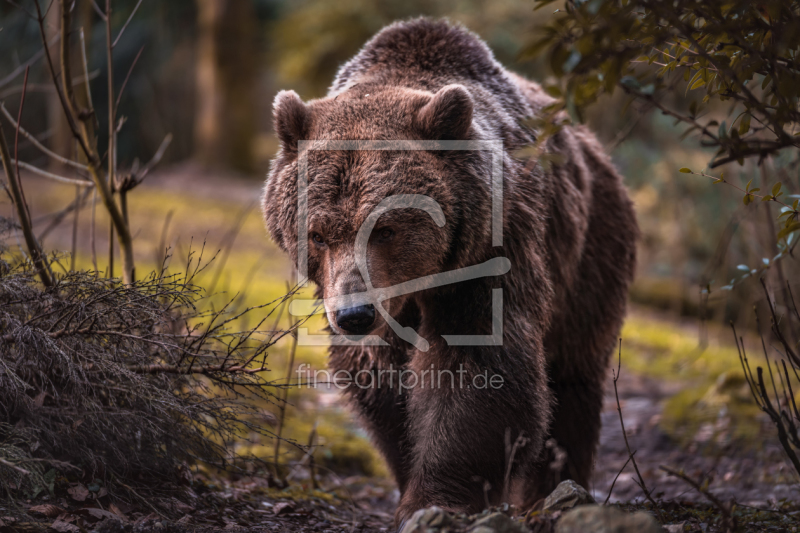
x,y
569,233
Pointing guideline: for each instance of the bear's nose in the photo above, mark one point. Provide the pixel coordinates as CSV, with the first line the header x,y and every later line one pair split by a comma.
x,y
356,320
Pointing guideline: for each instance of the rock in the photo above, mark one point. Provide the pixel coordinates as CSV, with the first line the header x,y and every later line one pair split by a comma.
x,y
427,520
497,523
567,495
674,528
600,519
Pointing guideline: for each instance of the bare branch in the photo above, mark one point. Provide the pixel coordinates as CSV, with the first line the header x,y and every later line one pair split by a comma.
x,y
127,77
50,175
728,520
124,26
20,69
642,484
14,184
40,146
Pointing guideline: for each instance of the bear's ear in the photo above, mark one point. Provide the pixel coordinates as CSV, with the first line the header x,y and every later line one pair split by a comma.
x,y
448,116
291,119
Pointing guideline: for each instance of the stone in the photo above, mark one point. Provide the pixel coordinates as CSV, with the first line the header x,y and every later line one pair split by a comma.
x,y
427,520
496,523
601,519
567,495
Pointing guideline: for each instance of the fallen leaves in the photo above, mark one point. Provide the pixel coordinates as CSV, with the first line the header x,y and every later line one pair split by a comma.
x,y
78,492
50,511
64,527
283,508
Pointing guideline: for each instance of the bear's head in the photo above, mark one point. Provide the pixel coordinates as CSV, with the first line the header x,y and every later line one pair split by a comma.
x,y
399,214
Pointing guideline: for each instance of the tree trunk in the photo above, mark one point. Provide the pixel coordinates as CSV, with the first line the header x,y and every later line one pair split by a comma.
x,y
227,63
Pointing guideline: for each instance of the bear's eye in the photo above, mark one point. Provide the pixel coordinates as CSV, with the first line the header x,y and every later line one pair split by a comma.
x,y
317,238
385,234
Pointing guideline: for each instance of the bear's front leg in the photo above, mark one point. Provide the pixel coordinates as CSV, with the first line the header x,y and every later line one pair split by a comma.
x,y
375,392
464,402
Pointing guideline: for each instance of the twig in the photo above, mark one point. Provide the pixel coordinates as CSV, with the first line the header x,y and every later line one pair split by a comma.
x,y
127,77
20,69
14,467
58,217
50,175
89,101
728,520
98,10
19,202
625,436
92,231
611,489
156,159
282,406
73,249
511,452
312,470
777,330
124,26
112,137
40,146
161,251
229,239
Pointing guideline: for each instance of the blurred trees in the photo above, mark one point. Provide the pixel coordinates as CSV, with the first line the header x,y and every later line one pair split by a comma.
x,y
312,38
227,65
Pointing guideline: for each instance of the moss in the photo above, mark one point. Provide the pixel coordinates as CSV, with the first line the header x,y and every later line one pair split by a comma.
x,y
299,493
714,406
663,350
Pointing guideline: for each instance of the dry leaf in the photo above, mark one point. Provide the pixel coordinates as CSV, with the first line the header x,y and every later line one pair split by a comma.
x,y
64,527
117,511
283,508
99,513
78,492
50,511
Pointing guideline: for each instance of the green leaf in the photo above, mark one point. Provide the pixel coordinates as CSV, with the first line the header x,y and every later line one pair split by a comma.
x,y
685,170
747,187
744,124
699,83
791,228
747,199
766,198
776,188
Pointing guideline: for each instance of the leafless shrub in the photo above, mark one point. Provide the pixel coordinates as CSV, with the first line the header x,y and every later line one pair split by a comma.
x,y
782,407
126,383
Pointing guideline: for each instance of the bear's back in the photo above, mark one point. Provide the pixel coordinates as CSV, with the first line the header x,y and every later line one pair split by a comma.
x,y
428,54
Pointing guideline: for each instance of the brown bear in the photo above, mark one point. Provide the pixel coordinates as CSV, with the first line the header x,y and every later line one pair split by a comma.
x,y
568,236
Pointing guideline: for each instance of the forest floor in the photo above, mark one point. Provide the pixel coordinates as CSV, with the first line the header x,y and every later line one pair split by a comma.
x,y
684,407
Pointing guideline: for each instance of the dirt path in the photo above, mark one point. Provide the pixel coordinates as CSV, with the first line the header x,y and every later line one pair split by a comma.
x,y
746,475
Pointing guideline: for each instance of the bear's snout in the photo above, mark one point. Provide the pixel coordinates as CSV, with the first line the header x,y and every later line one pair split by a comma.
x,y
356,320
